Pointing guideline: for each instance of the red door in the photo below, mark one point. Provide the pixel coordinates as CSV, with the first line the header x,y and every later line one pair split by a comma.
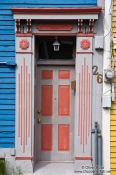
x,y
55,113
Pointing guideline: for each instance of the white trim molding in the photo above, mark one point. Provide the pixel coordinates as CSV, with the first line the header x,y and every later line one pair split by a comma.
x,y
106,86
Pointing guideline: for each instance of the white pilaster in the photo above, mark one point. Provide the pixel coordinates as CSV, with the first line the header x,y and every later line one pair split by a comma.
x,y
83,104
24,102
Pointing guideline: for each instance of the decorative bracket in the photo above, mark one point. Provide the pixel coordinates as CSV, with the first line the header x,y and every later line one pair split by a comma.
x,y
26,27
91,25
80,24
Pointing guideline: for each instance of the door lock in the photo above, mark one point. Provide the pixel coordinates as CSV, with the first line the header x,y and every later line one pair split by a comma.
x,y
39,120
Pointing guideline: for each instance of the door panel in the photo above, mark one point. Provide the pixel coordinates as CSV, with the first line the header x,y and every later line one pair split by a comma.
x,y
46,100
64,100
56,113
46,74
63,137
64,74
46,137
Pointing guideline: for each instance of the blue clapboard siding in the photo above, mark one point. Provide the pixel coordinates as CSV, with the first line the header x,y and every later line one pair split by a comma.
x,y
6,32
7,105
7,102
7,53
4,123
7,117
49,2
7,75
8,43
3,135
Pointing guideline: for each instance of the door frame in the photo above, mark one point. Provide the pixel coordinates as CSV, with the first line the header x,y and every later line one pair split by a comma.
x,y
29,52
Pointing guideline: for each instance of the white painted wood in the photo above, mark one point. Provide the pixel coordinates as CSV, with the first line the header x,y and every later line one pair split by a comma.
x,y
24,99
54,17
83,149
33,92
106,86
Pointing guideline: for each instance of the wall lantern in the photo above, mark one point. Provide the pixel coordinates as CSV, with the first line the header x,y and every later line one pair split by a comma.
x,y
56,45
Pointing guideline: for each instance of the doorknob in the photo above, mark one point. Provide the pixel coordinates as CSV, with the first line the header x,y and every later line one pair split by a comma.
x,y
38,117
73,85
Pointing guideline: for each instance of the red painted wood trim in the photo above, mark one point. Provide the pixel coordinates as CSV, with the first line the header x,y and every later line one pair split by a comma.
x,y
85,52
24,34
89,120
82,80
55,34
79,99
84,89
21,105
24,112
29,115
23,158
87,94
90,10
26,102
55,27
19,127
63,34
24,52
83,158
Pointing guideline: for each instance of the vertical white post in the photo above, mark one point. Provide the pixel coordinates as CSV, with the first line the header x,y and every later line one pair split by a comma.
x,y
83,104
24,102
106,87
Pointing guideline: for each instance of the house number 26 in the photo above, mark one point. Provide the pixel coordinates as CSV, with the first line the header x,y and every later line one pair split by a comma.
x,y
99,77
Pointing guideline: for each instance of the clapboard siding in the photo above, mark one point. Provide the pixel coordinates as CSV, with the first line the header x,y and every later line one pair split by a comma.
x,y
7,105
6,12
7,23
7,53
3,135
48,2
7,101
6,17
8,43
6,58
7,48
6,32
6,27
10,54
113,109
9,37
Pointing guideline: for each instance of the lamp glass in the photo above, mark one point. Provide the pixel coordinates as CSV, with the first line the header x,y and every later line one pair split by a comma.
x,y
56,45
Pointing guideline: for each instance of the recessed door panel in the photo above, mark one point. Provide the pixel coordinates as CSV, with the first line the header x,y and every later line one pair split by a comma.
x,y
46,100
64,100
64,74
46,137
46,74
63,137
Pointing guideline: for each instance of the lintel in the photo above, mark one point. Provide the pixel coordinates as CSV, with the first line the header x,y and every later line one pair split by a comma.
x,y
56,13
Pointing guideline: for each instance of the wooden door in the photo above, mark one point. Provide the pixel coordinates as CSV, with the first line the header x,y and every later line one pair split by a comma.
x,y
55,113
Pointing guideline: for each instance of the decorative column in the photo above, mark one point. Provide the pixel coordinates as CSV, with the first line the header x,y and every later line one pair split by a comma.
x,y
24,100
83,157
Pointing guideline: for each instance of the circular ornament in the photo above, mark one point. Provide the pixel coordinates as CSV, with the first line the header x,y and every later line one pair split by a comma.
x,y
24,44
85,44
